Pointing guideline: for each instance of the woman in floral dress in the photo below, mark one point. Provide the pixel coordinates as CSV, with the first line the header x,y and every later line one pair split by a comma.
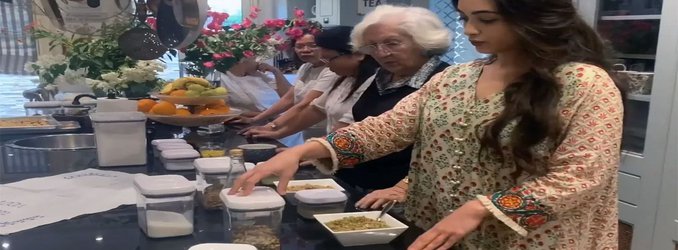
x,y
519,151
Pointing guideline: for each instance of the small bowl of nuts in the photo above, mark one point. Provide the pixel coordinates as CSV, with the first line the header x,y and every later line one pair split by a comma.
x,y
361,228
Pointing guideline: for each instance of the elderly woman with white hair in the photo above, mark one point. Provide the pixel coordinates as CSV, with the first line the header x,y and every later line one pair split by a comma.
x,y
407,42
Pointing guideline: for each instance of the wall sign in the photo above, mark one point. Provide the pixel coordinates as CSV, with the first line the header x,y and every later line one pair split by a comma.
x,y
365,6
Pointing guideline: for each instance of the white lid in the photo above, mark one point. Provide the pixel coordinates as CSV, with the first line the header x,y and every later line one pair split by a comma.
x,y
163,184
43,104
118,117
176,154
218,165
163,141
170,146
222,246
261,198
320,196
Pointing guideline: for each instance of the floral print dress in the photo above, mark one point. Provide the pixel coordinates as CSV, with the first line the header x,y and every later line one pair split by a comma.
x,y
572,206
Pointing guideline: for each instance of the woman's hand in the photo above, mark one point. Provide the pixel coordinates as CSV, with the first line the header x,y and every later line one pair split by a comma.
x,y
377,198
262,132
283,165
243,120
452,228
264,67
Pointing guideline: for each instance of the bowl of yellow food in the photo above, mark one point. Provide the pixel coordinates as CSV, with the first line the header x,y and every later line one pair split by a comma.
x,y
361,228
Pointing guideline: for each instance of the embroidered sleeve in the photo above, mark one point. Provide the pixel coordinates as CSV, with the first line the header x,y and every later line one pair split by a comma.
x,y
583,167
375,137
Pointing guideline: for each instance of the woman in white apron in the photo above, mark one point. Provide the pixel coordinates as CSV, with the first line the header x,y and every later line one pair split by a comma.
x,y
313,79
356,73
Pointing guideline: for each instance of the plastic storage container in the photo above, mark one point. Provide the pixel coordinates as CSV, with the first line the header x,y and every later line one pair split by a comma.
x,y
164,205
320,201
171,146
214,175
121,138
157,142
179,159
254,219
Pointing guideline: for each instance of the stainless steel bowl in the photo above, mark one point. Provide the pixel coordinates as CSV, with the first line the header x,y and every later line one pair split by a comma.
x,y
51,153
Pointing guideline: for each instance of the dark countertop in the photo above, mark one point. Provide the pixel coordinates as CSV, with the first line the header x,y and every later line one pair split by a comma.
x,y
117,229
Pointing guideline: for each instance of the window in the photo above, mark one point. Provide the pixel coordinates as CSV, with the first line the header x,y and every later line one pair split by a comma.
x,y
16,48
462,50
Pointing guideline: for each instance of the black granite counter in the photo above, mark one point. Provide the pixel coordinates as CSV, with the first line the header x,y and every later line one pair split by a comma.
x,y
117,229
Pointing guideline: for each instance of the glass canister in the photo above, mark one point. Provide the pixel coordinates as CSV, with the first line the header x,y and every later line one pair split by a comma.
x,y
254,219
320,201
216,174
212,149
164,205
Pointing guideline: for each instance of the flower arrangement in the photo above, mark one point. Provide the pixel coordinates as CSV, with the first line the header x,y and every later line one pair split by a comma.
x,y
219,47
96,62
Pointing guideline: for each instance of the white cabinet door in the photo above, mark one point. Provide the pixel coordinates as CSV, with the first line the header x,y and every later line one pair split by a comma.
x,y
642,33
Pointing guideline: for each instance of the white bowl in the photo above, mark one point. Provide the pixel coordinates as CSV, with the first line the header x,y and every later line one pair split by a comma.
x,y
364,237
323,182
222,246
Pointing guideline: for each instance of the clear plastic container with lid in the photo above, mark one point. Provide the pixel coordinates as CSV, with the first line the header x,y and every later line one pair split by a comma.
x,y
164,205
320,201
170,146
214,175
254,219
157,142
179,159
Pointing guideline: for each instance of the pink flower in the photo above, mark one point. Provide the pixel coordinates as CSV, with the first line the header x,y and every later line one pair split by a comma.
x,y
247,23
151,21
217,56
254,9
300,23
248,53
253,15
270,23
214,25
280,23
208,64
294,32
226,54
209,32
236,26
299,13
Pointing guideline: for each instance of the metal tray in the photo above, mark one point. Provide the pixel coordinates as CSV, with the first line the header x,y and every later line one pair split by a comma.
x,y
51,124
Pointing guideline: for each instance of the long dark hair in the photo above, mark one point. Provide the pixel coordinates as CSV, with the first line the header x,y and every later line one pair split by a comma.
x,y
367,67
555,35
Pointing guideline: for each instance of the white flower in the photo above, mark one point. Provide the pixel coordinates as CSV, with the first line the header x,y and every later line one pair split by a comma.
x,y
48,60
112,77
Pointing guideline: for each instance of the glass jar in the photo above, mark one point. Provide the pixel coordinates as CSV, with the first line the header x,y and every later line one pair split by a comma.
x,y
212,149
254,219
320,201
164,205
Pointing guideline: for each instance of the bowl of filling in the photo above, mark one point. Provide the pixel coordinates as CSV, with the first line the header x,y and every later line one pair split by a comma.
x,y
361,228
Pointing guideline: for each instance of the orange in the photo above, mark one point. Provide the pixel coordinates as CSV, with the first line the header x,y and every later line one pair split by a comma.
x,y
215,104
199,109
164,108
145,105
209,112
179,92
183,112
223,110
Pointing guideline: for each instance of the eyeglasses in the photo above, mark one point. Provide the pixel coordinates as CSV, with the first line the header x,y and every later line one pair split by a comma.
x,y
305,46
329,60
385,47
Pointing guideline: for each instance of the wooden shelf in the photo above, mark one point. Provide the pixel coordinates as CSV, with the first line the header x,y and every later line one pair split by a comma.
x,y
630,17
640,98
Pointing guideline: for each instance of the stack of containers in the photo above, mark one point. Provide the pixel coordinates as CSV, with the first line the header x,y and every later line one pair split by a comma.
x,y
175,154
